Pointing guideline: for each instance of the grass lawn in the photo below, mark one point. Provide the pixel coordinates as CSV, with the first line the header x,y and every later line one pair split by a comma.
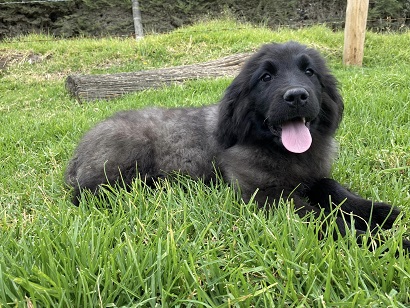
x,y
187,244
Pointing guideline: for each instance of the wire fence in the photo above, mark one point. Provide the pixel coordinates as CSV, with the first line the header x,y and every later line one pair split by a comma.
x,y
388,23
132,35
30,2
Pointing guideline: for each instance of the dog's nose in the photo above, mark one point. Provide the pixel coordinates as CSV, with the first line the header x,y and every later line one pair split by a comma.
x,y
296,97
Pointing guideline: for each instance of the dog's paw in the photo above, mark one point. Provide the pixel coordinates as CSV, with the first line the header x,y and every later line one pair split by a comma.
x,y
384,215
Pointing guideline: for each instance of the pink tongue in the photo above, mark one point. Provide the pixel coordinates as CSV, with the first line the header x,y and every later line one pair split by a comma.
x,y
296,137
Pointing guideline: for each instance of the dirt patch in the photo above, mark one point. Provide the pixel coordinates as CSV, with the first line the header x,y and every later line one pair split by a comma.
x,y
8,58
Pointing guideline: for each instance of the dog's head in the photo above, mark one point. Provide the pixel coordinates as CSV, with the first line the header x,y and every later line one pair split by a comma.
x,y
283,95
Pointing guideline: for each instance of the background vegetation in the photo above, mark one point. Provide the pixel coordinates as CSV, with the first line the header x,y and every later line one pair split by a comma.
x,y
114,17
186,244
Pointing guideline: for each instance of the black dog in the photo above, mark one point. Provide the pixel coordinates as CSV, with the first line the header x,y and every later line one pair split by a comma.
x,y
272,132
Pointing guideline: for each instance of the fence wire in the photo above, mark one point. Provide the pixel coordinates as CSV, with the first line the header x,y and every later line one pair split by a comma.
x,y
33,1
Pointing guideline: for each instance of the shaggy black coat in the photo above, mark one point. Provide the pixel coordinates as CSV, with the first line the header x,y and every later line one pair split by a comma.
x,y
284,89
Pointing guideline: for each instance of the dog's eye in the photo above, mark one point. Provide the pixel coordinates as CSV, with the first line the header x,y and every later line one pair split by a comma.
x,y
309,72
266,77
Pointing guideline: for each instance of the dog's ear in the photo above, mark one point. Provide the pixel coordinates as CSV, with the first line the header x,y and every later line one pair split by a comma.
x,y
234,111
332,102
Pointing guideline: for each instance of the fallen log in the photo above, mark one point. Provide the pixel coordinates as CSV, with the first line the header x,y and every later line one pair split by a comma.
x,y
108,86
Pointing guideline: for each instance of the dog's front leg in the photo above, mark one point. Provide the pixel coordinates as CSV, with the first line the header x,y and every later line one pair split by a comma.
x,y
328,193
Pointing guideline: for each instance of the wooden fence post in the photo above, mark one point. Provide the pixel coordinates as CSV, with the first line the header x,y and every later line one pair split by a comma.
x,y
355,30
136,14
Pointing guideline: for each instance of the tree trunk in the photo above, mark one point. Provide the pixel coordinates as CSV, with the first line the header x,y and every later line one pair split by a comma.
x,y
108,86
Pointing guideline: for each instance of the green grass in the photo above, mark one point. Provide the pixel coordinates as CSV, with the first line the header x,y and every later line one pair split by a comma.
x,y
186,244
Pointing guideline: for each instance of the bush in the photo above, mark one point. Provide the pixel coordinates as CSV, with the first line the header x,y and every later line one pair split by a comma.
x,y
105,17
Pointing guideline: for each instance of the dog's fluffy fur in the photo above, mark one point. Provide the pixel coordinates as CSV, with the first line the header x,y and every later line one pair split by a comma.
x,y
241,137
